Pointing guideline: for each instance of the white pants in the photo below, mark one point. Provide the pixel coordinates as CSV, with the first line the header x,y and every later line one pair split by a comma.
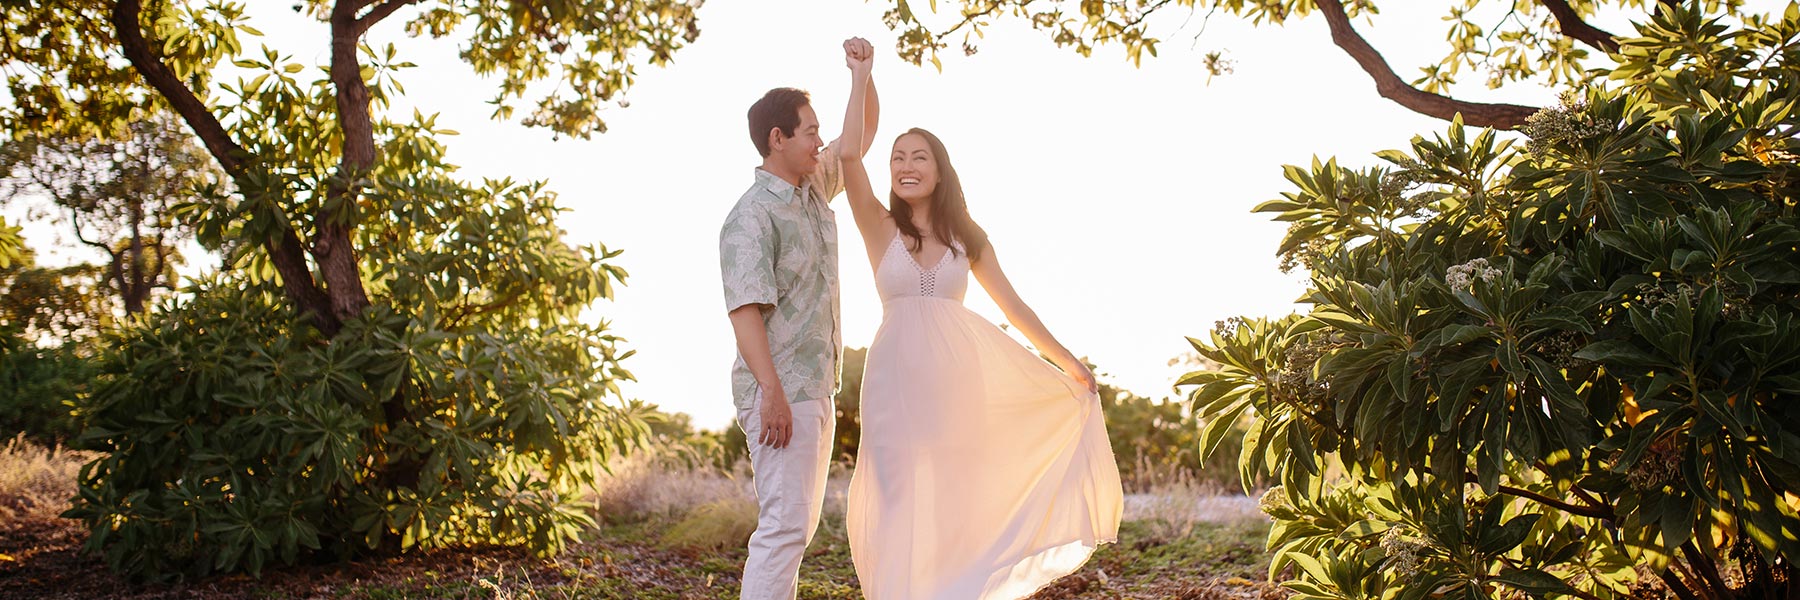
x,y
790,490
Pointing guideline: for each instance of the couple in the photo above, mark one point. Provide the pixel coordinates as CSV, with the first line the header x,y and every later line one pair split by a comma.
x,y
984,472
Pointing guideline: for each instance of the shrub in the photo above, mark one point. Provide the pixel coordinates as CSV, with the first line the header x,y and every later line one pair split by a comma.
x,y
1532,371
469,404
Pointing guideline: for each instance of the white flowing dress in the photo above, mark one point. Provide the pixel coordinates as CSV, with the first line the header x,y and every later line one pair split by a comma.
x,y
983,472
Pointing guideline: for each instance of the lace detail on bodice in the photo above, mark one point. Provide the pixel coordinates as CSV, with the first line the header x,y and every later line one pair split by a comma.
x,y
899,275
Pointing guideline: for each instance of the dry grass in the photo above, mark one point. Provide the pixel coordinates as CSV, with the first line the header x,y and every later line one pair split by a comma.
x,y
723,524
646,486
36,483
1171,507
709,509
705,508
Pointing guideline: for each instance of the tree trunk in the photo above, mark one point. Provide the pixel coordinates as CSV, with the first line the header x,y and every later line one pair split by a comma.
x,y
333,249
283,246
136,288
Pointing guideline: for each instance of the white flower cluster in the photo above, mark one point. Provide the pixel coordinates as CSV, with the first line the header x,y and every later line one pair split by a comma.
x,y
1274,499
1409,175
1652,295
1306,255
1295,378
1403,552
1659,466
1567,122
1460,277
1561,347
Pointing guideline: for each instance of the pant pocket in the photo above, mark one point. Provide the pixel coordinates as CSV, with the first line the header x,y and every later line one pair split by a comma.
x,y
749,418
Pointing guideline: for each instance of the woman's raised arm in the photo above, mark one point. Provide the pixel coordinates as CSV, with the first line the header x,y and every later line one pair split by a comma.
x,y
871,217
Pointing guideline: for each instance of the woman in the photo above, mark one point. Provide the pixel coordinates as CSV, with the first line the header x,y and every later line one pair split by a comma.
x,y
983,471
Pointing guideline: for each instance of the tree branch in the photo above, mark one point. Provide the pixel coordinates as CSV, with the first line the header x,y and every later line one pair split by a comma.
x,y
1392,87
284,247
1703,566
462,312
1585,496
1595,512
125,20
969,17
381,11
1675,585
1143,13
1573,26
75,223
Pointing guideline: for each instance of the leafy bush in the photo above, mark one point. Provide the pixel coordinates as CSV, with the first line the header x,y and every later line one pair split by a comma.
x,y
40,387
48,319
469,405
1567,371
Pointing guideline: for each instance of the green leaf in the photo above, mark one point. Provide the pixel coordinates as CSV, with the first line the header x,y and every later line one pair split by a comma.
x,y
1310,566
1532,581
1618,353
1504,538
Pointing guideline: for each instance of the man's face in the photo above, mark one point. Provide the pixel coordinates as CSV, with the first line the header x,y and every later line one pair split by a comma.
x,y
800,153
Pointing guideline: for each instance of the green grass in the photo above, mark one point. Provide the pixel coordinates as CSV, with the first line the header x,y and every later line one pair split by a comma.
x,y
628,562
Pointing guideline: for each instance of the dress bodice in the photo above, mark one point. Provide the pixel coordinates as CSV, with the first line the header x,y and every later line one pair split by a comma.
x,y
899,275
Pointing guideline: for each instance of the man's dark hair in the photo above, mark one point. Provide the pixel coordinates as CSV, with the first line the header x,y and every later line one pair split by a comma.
x,y
780,108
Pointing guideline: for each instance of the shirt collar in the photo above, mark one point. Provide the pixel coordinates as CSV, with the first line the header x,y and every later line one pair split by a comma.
x,y
776,185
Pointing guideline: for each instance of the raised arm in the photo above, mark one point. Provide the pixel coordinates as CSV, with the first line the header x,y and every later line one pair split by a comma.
x,y
871,109
993,279
858,48
859,126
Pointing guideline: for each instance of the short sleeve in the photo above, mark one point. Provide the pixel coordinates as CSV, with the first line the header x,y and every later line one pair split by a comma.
x,y
828,177
747,257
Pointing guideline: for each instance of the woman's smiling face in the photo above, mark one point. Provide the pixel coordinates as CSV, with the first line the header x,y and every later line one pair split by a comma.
x,y
912,169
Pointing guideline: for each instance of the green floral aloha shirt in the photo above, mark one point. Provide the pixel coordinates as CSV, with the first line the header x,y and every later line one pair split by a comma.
x,y
779,247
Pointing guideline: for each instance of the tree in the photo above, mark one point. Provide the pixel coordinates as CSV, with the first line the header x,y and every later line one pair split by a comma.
x,y
120,197
48,320
54,305
1566,370
1537,38
304,159
392,357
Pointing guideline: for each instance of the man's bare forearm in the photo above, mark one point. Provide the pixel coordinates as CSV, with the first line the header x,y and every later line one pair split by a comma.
x,y
753,344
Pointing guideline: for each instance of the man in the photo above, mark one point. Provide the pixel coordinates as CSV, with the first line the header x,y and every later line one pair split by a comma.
x,y
778,258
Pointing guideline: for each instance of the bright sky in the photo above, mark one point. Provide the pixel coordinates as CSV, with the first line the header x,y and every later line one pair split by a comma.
x,y
1118,198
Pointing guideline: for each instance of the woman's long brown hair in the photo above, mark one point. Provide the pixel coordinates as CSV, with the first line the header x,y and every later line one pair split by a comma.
x,y
950,219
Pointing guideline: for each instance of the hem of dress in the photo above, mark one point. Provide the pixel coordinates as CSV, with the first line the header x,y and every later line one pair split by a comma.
x,y
1071,571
